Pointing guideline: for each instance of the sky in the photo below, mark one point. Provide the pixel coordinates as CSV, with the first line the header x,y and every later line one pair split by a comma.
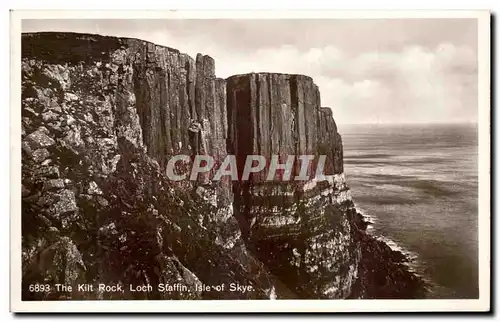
x,y
367,70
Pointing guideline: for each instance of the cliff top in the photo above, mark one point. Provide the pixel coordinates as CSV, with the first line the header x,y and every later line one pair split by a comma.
x,y
73,47
304,77
65,38
326,110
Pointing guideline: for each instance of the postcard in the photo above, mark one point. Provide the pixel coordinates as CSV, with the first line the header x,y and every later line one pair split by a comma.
x,y
259,161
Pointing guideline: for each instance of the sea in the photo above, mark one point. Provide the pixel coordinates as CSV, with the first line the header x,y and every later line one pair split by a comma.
x,y
418,185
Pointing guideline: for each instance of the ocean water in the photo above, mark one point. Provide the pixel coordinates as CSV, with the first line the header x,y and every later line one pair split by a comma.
x,y
418,184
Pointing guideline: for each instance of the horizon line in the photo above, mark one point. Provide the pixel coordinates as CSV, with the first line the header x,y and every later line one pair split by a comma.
x,y
412,123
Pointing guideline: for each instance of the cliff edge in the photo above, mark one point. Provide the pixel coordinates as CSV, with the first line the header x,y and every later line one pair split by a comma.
x,y
102,117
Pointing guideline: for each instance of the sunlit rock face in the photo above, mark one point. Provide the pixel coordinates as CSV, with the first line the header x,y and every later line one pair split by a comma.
x,y
101,118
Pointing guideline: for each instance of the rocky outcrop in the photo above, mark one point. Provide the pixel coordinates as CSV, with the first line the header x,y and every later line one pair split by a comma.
x,y
300,229
101,117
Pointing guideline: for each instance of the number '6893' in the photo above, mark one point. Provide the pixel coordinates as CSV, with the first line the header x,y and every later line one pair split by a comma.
x,y
39,288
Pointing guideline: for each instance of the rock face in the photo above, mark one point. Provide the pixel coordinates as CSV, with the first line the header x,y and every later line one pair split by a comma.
x,y
300,229
120,108
101,118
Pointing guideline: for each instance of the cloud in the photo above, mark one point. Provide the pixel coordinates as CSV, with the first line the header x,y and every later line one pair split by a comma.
x,y
416,74
412,85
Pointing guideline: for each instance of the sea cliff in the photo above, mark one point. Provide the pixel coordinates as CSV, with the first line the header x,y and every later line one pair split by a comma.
x,y
101,117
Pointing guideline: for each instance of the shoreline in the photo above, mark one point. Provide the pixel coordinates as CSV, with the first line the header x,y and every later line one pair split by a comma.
x,y
385,272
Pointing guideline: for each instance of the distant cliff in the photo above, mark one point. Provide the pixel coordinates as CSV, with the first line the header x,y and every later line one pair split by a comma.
x,y
101,117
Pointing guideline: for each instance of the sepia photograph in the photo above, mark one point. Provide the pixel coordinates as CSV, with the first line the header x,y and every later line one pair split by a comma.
x,y
245,156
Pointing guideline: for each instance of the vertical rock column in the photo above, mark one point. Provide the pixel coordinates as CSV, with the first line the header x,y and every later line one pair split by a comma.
x,y
208,133
162,78
279,115
182,109
300,229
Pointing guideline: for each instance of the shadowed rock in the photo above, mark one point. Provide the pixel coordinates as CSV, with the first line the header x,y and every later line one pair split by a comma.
x,y
298,228
119,108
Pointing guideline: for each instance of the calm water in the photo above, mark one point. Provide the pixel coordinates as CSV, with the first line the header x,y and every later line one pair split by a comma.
x,y
419,185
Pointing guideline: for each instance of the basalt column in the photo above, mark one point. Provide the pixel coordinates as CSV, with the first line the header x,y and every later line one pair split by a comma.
x,y
101,118
300,229
182,110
